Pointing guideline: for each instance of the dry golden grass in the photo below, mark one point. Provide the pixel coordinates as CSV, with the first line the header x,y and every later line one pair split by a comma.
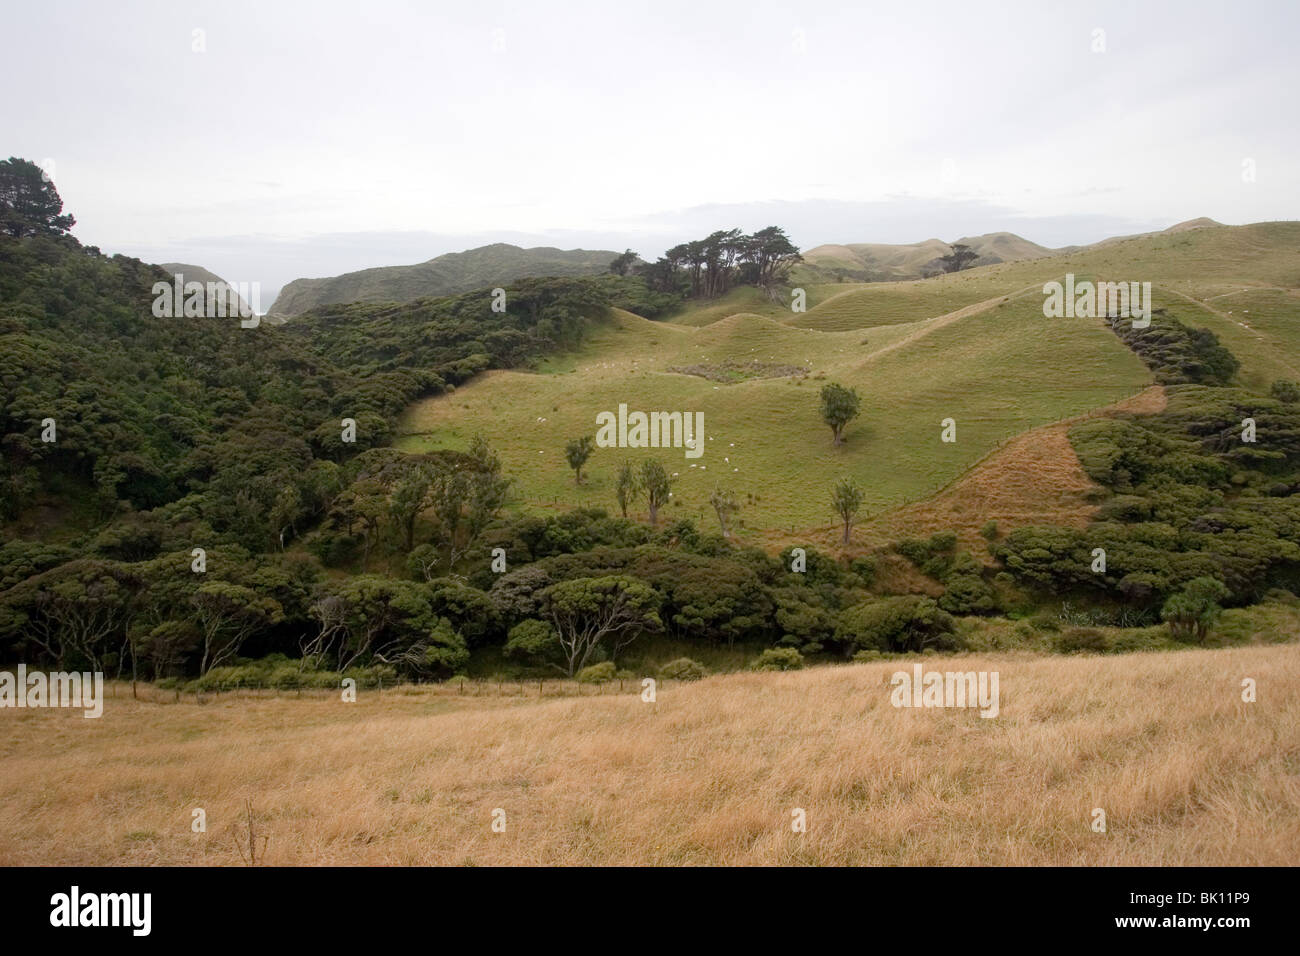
x,y
1186,772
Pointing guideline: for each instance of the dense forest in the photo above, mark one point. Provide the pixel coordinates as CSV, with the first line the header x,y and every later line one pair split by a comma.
x,y
188,500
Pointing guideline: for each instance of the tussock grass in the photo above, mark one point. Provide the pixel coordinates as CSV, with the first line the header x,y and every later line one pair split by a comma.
x,y
1186,772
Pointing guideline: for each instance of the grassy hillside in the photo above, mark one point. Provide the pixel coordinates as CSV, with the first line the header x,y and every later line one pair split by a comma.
x,y
450,274
875,262
707,775
1201,264
764,436
973,346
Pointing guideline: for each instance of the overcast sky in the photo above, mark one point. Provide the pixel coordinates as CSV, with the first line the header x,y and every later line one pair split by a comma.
x,y
309,139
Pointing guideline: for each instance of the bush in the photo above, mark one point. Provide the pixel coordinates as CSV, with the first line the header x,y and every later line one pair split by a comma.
x,y
683,668
535,641
778,659
906,623
597,673
1081,640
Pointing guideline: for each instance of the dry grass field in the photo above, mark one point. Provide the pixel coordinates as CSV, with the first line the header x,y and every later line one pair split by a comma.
x,y
1186,772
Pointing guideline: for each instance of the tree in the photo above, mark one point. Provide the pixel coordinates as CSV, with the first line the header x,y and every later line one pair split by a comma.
x,y
586,612
959,258
725,504
907,623
657,487
29,203
840,406
623,265
1194,610
577,452
847,499
228,614
407,501
771,253
627,486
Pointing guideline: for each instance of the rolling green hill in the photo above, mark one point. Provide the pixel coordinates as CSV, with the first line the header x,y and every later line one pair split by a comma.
x,y
973,346
450,274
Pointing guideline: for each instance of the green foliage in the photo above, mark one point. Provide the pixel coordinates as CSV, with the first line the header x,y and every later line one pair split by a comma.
x,y
905,623
846,499
778,659
1193,611
577,452
1178,353
601,673
656,485
1286,391
29,203
599,614
840,405
1086,640
683,668
535,642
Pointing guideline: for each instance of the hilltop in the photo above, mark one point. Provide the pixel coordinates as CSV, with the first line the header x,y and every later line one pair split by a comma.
x,y
883,262
226,292
449,274
880,262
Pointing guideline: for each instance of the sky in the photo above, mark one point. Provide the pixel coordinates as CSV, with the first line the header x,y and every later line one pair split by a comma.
x,y
273,140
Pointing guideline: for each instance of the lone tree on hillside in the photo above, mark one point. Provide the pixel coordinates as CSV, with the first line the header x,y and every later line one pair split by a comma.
x,y
960,257
577,452
847,499
725,504
839,407
29,203
657,488
627,486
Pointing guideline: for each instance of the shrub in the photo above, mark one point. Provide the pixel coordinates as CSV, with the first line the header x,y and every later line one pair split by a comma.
x,y
683,668
597,673
1081,640
535,641
778,659
906,623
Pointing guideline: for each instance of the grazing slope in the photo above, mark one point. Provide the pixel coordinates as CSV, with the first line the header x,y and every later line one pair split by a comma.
x,y
973,346
451,274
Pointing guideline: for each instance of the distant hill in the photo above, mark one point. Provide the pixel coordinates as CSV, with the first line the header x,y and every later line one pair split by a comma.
x,y
1204,222
453,273
880,262
877,262
193,273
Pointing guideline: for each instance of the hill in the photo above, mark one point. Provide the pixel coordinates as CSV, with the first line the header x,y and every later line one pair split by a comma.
x,y
450,274
229,294
973,345
877,262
